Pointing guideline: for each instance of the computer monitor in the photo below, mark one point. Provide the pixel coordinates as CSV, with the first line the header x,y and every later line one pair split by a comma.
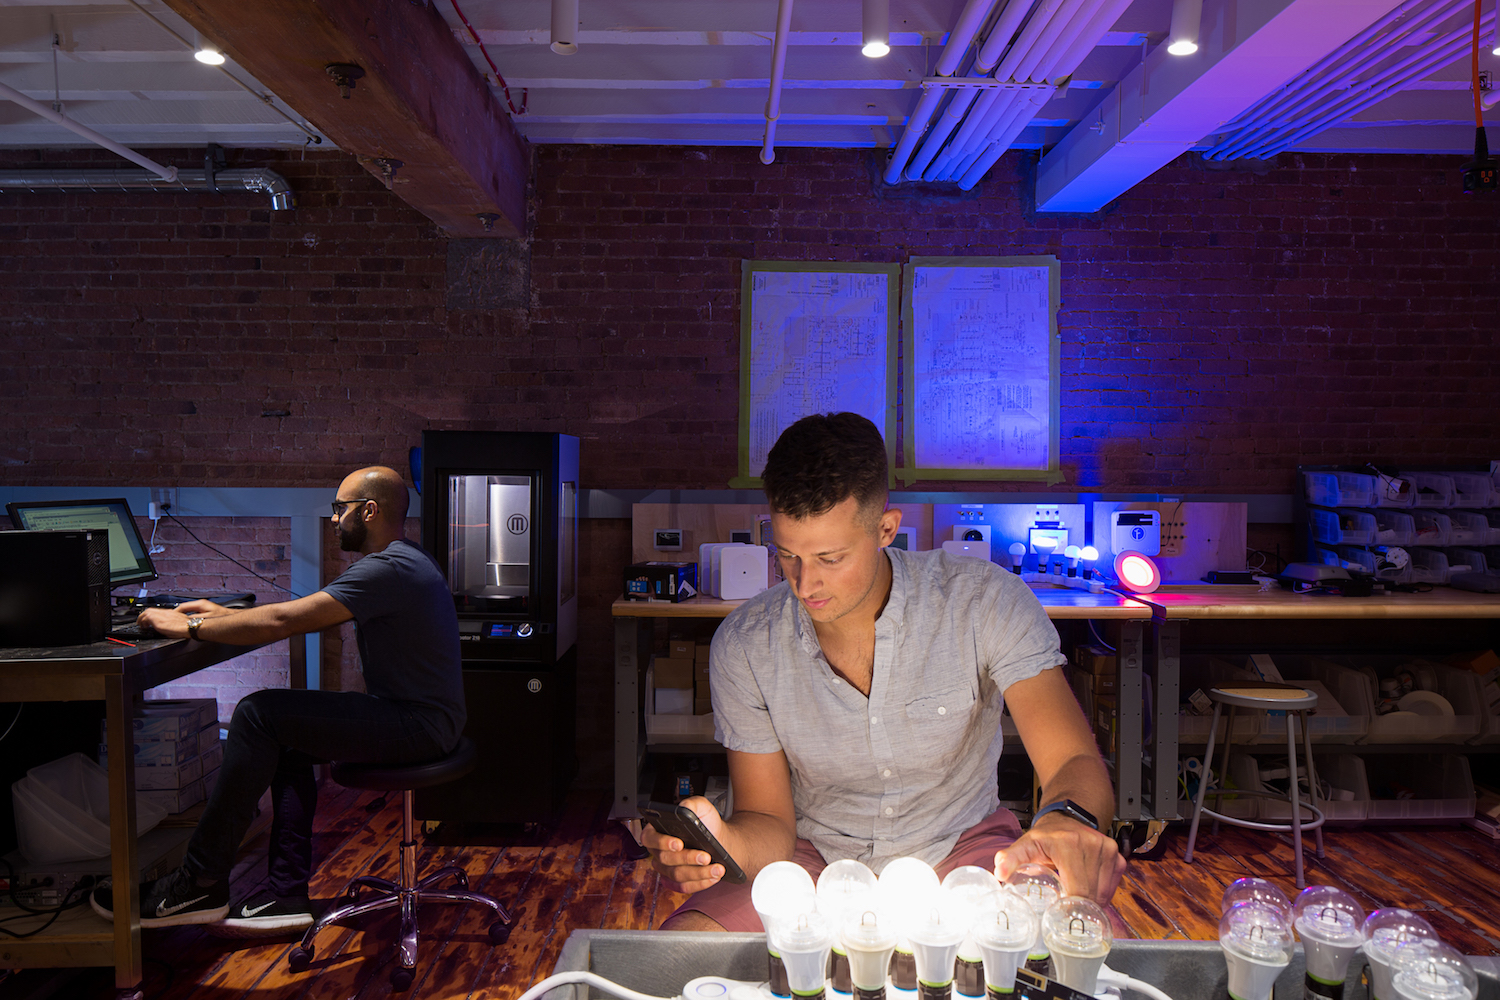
x,y
129,561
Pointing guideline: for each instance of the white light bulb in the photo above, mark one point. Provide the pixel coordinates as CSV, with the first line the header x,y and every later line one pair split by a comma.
x,y
781,889
845,888
803,941
1078,934
1017,553
975,890
935,931
1328,921
1089,555
1428,970
869,939
1254,890
1257,942
1383,930
1044,544
209,56
1039,887
1004,936
902,885
1072,552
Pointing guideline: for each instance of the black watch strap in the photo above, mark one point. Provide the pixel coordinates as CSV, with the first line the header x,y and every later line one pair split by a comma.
x,y
1070,809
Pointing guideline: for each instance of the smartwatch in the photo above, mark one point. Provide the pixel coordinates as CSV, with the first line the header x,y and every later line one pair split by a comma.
x,y
1070,809
193,624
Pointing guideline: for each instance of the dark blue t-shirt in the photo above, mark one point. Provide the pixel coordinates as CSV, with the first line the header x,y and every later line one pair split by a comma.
x,y
407,629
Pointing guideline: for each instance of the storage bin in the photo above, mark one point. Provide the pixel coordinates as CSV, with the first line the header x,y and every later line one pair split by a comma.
x,y
1468,527
1472,489
1340,489
1343,771
1492,518
1428,566
1431,528
1349,692
1371,563
1343,527
1392,527
1460,688
1438,786
1433,489
1465,561
62,811
1242,774
674,728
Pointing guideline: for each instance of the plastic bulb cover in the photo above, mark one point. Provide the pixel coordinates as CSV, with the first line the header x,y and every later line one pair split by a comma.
x,y
1257,931
1258,890
1078,928
1427,970
803,942
935,932
972,889
868,941
1004,936
781,889
1328,915
1384,929
1036,884
843,887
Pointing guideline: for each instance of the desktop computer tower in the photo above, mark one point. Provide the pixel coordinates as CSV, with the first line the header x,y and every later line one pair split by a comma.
x,y
500,515
54,587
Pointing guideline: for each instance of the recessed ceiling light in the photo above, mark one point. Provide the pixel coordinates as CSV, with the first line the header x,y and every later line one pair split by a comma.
x,y
877,28
209,56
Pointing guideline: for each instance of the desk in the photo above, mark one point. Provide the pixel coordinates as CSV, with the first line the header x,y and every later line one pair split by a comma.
x,y
115,675
635,620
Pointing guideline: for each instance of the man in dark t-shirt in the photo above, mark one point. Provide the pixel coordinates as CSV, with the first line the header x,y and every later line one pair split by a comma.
x,y
412,710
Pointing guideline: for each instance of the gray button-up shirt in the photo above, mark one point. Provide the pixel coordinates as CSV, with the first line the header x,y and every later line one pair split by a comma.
x,y
907,770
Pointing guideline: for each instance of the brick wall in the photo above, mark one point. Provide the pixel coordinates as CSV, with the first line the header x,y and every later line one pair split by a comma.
x,y
1218,326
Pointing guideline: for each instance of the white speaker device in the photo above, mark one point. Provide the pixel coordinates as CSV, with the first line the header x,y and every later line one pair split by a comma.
x,y
744,571
708,566
971,533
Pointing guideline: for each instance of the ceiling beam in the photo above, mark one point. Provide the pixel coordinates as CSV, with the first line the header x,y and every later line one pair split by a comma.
x,y
422,119
1164,106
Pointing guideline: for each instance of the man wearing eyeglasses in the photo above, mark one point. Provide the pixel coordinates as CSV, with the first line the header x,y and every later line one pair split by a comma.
x,y
412,710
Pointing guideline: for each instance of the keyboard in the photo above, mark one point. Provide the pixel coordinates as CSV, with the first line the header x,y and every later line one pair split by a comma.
x,y
128,629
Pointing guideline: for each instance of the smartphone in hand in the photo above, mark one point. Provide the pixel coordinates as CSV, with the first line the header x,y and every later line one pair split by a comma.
x,y
684,824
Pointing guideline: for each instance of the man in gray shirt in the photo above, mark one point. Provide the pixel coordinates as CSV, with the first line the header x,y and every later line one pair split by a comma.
x,y
860,701
412,710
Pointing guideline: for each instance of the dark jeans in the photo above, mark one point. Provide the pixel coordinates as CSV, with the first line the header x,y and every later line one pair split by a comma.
x,y
274,740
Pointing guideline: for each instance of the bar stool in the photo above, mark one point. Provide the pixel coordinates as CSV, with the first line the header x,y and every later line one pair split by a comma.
x,y
1294,701
406,893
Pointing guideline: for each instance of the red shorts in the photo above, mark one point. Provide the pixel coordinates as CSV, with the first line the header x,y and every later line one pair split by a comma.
x,y
729,904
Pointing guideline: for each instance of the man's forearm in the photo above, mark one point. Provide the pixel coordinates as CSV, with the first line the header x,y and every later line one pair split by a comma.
x,y
755,840
1083,779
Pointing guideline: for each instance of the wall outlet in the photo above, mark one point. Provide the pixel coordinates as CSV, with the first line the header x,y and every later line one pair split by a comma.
x,y
165,497
970,513
1047,514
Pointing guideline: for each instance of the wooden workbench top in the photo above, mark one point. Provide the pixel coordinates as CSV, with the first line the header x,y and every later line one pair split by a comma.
x,y
1060,602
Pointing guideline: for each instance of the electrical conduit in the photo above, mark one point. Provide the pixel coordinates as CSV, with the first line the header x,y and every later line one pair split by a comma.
x,y
778,68
36,107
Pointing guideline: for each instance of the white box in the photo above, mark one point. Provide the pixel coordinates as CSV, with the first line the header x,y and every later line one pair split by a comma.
x,y
175,800
212,759
156,778
744,571
673,701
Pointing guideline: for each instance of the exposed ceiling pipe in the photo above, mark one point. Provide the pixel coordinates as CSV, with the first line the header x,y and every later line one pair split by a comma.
x,y
964,100
1072,55
1085,17
974,14
1029,104
1333,87
36,107
265,181
778,68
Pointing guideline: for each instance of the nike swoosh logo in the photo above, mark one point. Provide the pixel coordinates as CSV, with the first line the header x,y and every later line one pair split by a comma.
x,y
163,910
246,911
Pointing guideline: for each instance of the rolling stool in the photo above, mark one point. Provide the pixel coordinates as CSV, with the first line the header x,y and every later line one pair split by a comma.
x,y
408,893
1277,697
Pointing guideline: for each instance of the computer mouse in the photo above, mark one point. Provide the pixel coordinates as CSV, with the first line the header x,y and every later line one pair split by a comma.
x,y
240,603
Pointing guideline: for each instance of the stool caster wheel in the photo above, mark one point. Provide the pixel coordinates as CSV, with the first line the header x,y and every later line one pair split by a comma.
x,y
499,932
401,979
298,959
351,894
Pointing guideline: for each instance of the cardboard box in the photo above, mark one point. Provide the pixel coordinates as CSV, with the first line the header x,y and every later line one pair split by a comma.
x,y
682,649
175,800
208,739
212,759
1095,660
661,581
700,681
700,655
703,706
156,753
672,672
1105,733
179,777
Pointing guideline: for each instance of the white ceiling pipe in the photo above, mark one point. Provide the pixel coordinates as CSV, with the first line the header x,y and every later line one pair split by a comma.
x,y
974,13
1030,35
971,137
961,103
1006,127
1027,107
1050,40
565,27
1085,43
1004,32
1086,15
778,68
36,107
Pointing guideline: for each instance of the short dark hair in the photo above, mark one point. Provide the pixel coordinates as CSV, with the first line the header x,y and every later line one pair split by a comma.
x,y
823,460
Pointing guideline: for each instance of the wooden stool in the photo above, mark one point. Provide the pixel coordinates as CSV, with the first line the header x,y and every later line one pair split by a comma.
x,y
1293,701
406,893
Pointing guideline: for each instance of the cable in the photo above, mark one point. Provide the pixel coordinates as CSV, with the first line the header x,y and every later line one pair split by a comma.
x,y
13,721
52,913
504,87
1109,977
1097,637
587,978
247,569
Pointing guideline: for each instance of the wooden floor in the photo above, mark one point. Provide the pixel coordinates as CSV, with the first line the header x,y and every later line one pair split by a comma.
x,y
576,876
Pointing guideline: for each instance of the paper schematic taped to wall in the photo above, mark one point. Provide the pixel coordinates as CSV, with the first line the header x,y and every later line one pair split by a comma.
x,y
815,338
982,360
